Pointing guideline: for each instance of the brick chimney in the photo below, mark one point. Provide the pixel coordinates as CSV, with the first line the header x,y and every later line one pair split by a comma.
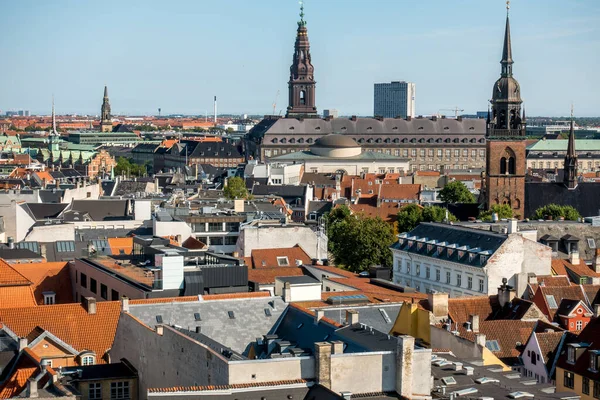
x,y
438,303
32,388
90,305
574,257
505,293
323,363
318,315
596,261
351,317
404,366
125,304
480,339
22,343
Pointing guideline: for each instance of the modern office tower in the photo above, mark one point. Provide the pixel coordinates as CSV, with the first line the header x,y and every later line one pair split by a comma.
x,y
333,113
394,99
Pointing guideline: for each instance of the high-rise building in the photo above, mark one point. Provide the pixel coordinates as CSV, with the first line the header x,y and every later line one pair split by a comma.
x,y
333,113
105,119
302,81
394,99
505,145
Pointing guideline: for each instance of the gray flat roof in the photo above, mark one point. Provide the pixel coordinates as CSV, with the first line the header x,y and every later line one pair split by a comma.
x,y
298,280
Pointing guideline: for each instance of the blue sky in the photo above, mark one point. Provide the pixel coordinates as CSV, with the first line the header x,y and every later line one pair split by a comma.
x,y
178,54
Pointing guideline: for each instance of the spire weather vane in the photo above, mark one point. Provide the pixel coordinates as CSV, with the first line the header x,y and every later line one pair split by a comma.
x,y
507,6
302,22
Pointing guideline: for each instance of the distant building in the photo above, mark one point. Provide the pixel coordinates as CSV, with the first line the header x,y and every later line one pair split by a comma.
x,y
394,99
333,113
105,121
550,154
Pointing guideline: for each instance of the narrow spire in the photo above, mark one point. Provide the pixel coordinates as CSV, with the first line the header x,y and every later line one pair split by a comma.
x,y
571,146
105,91
507,59
524,118
54,132
488,115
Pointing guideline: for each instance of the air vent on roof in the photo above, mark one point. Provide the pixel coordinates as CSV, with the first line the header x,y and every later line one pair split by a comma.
x,y
231,314
197,317
159,319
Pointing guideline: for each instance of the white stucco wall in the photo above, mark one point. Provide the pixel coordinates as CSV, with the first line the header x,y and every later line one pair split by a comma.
x,y
171,228
89,192
172,270
51,233
270,370
377,372
539,367
271,237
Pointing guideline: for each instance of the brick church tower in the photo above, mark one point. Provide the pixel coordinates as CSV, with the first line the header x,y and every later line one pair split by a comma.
x,y
505,134
105,118
302,81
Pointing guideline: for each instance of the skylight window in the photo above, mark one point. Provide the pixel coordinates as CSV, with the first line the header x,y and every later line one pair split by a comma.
x,y
385,316
519,395
591,243
283,261
449,380
464,392
197,316
485,379
492,345
231,314
268,312
159,319
551,301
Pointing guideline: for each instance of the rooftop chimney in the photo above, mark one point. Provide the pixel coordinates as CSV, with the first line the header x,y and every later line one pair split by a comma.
x,y
596,261
351,317
574,257
32,388
125,304
318,315
480,339
512,226
438,303
11,242
474,320
506,293
159,330
22,343
90,305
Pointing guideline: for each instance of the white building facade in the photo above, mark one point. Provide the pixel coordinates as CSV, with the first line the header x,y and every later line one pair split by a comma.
x,y
394,99
465,262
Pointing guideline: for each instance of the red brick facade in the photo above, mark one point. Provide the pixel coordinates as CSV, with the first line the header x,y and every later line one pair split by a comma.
x,y
505,183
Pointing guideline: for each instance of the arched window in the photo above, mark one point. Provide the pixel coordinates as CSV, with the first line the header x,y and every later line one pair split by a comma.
x,y
503,165
302,97
511,166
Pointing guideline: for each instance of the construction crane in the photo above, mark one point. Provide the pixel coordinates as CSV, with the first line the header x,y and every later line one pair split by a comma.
x,y
275,102
455,109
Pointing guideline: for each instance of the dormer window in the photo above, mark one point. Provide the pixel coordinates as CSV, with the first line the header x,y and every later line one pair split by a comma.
x,y
49,298
594,361
571,355
482,259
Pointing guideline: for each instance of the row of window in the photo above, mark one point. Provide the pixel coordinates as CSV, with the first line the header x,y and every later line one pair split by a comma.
x,y
216,227
82,279
561,164
218,240
118,390
387,140
432,153
569,382
458,281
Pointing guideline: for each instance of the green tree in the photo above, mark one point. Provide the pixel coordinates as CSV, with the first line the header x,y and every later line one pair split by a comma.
x,y
128,167
456,192
357,242
504,211
556,212
409,217
236,188
412,215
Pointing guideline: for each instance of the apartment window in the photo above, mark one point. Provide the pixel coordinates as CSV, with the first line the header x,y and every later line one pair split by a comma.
x,y
230,240
481,289
232,226
448,153
114,295
215,227
119,390
469,282
465,153
87,360
481,153
458,280
593,361
427,272
579,325
585,385
437,275
283,261
418,270
456,153
93,285
597,389
408,267
569,380
571,354
95,391
216,241
439,153
103,291
397,152
473,153
430,152
413,152
83,280
422,152
448,277
405,153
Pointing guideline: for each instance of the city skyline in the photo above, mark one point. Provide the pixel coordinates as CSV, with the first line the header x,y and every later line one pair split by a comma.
x,y
127,48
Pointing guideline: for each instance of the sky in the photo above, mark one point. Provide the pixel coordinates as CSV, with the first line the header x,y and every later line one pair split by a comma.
x,y
178,54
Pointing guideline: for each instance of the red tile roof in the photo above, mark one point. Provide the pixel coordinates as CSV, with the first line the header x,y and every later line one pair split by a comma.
x,y
227,387
27,366
48,277
581,269
268,275
10,277
267,258
69,322
507,332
